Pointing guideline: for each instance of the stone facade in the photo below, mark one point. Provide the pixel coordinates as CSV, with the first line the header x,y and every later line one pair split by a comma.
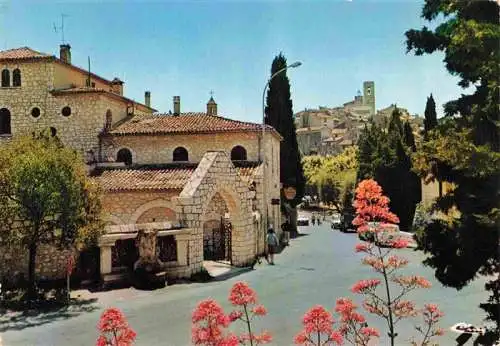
x,y
215,188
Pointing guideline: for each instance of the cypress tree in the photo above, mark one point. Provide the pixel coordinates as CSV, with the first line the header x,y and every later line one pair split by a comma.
x,y
279,114
430,120
408,137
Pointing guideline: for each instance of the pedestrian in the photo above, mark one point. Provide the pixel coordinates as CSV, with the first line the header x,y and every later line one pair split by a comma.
x,y
313,219
286,228
272,244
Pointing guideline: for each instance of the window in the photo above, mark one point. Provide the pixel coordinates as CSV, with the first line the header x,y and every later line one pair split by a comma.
x,y
124,155
4,121
109,120
35,112
53,131
66,111
16,77
180,154
5,78
238,153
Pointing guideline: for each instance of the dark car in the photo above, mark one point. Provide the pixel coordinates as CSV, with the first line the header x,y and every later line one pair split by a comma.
x,y
346,223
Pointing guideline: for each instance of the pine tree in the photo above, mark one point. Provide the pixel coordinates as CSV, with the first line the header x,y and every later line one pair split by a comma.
x,y
465,245
279,114
430,120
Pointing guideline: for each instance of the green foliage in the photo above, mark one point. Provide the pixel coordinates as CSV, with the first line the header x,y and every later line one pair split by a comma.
x,y
46,196
465,147
430,120
384,155
279,114
333,176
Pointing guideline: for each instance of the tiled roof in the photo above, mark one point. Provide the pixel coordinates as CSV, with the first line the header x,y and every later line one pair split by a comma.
x,y
185,123
145,179
85,90
158,179
22,53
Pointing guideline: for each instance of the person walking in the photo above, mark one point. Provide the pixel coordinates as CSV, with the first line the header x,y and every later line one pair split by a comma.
x,y
286,228
272,244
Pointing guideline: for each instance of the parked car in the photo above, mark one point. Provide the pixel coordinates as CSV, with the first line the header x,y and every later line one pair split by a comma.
x,y
389,234
302,220
336,221
346,223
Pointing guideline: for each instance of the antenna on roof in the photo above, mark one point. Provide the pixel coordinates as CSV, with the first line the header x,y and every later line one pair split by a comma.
x,y
61,28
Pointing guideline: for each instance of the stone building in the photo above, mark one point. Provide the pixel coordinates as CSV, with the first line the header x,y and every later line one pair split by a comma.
x,y
178,188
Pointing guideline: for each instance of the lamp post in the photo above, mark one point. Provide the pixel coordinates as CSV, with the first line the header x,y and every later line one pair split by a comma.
x,y
262,153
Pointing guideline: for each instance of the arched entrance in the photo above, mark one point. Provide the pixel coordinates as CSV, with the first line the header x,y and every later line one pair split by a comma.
x,y
217,231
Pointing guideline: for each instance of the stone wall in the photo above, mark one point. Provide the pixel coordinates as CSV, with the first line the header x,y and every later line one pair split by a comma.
x,y
50,262
79,130
138,207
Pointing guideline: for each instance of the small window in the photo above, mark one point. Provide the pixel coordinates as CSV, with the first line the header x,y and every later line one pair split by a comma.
x,y
16,77
238,153
4,121
109,120
180,154
5,78
53,131
35,112
66,111
124,155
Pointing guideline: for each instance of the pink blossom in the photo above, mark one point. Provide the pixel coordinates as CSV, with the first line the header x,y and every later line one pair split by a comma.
x,y
259,310
242,294
363,286
235,315
114,329
362,247
368,331
337,337
317,319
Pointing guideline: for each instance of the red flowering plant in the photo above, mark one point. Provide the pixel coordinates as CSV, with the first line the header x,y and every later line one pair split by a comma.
x,y
114,329
210,322
318,329
245,299
353,326
431,315
373,218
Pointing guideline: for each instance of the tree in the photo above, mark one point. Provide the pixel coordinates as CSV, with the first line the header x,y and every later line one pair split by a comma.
x,y
465,145
46,197
409,137
430,120
279,114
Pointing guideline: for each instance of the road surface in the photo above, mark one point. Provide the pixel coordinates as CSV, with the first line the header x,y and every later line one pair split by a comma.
x,y
317,268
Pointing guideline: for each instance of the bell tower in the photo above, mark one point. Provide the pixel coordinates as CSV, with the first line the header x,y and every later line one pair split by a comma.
x,y
211,105
369,95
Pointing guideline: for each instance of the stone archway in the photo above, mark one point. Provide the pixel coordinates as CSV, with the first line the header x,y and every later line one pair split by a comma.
x,y
216,175
217,230
159,210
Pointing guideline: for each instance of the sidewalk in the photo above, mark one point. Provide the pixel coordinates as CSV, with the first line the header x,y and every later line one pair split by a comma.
x,y
222,270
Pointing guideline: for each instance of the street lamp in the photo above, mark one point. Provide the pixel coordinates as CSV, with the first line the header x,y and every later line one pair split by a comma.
x,y
262,155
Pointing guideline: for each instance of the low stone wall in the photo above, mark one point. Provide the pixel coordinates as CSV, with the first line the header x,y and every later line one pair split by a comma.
x,y
51,262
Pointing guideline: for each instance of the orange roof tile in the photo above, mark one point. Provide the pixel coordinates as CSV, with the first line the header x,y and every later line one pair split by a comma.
x,y
157,179
145,179
22,53
185,123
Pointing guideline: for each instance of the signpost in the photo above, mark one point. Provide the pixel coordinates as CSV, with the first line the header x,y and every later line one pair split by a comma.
x,y
69,269
290,192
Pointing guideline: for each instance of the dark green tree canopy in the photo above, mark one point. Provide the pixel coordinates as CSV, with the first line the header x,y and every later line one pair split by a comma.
x,y
279,114
430,120
465,146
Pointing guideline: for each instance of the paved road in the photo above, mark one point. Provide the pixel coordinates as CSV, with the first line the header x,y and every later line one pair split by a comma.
x,y
315,269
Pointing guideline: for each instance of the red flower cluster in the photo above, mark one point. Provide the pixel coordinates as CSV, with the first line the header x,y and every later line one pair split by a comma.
x,y
432,315
412,281
114,329
209,322
371,206
318,322
241,294
353,324
364,286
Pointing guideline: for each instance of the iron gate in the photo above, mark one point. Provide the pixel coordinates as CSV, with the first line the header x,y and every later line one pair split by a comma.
x,y
217,247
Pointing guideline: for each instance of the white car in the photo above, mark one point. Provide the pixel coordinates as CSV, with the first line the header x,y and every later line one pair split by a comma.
x,y
302,221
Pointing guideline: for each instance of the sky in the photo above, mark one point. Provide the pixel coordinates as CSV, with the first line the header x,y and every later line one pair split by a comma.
x,y
190,48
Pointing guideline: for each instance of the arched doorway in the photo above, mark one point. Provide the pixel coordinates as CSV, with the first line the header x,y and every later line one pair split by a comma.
x,y
217,231
5,122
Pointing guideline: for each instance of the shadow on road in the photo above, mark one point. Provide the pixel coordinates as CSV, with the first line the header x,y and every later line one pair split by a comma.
x,y
18,320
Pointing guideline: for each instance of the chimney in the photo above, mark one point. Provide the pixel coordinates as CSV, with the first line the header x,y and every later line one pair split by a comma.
x,y
117,86
147,98
65,53
211,107
177,105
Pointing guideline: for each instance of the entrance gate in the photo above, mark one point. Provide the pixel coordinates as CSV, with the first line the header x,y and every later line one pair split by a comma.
x,y
217,246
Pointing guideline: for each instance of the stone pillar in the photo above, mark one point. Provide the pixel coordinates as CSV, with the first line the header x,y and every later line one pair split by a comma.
x,y
105,259
182,241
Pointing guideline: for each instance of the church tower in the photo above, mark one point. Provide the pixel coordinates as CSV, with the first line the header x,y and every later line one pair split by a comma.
x,y
211,106
369,95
